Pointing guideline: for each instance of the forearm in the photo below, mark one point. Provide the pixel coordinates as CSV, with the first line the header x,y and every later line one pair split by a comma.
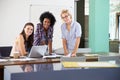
x,y
22,51
76,45
65,47
50,47
36,37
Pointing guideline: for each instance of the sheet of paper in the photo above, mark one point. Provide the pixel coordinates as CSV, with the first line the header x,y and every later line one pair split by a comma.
x,y
91,54
22,59
70,64
96,64
88,64
3,60
52,56
69,55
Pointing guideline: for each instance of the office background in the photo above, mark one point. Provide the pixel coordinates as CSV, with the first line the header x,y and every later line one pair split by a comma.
x,y
14,14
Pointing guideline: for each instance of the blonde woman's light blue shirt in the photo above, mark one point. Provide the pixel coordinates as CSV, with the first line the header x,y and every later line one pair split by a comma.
x,y
70,36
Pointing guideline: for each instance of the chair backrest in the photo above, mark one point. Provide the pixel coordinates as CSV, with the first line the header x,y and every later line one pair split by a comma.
x,y
5,51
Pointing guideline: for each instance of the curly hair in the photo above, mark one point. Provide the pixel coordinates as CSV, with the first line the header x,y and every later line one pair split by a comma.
x,y
49,16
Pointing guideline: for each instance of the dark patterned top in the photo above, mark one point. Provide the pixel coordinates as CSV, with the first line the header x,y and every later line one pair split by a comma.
x,y
41,36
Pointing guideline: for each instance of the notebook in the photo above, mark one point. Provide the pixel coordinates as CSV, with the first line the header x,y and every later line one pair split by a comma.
x,y
38,51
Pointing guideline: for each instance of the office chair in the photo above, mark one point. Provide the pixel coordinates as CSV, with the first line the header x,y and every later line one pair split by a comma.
x,y
5,51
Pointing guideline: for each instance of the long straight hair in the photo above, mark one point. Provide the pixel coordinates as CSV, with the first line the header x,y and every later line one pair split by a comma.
x,y
31,37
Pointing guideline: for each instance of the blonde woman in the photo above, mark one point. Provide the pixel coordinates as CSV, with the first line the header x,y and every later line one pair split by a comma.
x,y
71,33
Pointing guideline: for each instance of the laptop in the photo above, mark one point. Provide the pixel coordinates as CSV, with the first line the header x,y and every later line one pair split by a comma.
x,y
38,51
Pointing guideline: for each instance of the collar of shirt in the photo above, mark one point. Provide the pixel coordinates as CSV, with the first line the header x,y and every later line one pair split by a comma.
x,y
42,28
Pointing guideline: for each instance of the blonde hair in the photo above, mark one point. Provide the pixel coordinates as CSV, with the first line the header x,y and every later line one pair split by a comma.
x,y
65,11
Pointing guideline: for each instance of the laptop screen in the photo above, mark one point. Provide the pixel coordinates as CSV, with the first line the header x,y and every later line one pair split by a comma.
x,y
38,51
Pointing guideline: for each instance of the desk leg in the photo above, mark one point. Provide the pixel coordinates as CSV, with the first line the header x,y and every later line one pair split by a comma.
x,y
1,73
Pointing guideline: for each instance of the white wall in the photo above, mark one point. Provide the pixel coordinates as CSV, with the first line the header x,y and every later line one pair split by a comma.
x,y
15,13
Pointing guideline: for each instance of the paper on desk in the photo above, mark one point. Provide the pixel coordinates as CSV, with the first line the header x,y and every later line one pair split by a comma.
x,y
52,56
90,54
88,64
69,55
70,64
3,60
23,59
96,64
49,56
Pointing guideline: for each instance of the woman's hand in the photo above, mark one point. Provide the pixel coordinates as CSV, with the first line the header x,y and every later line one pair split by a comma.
x,y
73,55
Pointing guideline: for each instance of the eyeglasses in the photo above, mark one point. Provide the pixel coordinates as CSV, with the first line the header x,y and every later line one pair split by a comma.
x,y
66,16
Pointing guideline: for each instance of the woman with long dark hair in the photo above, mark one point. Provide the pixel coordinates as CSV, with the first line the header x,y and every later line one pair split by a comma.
x,y
24,41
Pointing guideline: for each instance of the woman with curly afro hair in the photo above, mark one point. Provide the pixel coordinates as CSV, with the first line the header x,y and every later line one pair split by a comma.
x,y
44,31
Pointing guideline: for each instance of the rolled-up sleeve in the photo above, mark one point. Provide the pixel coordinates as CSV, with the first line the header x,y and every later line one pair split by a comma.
x,y
37,36
50,34
78,30
63,31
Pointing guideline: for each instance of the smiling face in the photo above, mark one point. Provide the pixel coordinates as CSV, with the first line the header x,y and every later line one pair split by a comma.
x,y
28,30
66,16
46,23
